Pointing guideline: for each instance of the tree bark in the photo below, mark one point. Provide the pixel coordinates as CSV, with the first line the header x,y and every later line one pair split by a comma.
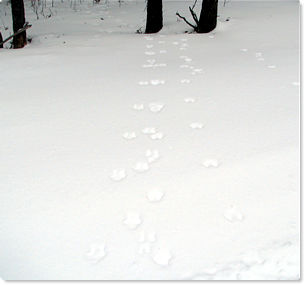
x,y
154,16
208,16
18,15
1,40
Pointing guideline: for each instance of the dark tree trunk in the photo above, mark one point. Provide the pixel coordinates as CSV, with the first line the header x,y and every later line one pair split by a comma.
x,y
154,16
208,17
1,40
19,40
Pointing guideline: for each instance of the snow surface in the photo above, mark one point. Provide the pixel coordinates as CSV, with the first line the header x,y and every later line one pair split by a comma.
x,y
167,156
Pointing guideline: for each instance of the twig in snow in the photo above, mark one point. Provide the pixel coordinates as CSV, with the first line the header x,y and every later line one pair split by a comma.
x,y
194,16
194,27
26,26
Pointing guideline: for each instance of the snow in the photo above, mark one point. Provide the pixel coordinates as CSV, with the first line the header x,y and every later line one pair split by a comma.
x,y
155,195
96,252
172,156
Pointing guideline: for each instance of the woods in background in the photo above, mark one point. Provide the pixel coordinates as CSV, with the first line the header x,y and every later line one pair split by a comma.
x,y
205,24
154,22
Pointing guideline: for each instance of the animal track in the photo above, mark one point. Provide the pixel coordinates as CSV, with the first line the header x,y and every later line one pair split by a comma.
x,y
138,107
157,82
152,155
197,70
156,107
118,174
157,136
152,82
96,252
188,59
129,135
144,236
196,125
189,100
233,214
155,195
146,239
147,65
162,256
252,257
211,163
149,130
132,220
143,83
141,166
154,65
151,61
150,53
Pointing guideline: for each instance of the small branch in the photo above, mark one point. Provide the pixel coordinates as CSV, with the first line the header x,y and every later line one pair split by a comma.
x,y
26,26
194,16
195,4
177,14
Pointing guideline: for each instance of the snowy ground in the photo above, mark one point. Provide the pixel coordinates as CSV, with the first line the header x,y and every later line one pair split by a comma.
x,y
170,156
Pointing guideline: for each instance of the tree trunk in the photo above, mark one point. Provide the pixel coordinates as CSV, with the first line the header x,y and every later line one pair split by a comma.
x,y
154,16
1,40
208,17
19,40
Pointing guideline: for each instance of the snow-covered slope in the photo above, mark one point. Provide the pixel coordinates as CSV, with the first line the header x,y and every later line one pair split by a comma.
x,y
167,156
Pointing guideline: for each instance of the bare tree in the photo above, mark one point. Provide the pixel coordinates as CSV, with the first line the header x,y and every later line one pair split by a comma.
x,y
18,15
208,17
154,16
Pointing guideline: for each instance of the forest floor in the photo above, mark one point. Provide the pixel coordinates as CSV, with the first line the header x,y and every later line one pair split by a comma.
x,y
166,156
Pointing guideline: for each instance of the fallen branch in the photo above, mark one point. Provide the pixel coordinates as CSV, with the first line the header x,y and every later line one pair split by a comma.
x,y
194,27
194,16
25,27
